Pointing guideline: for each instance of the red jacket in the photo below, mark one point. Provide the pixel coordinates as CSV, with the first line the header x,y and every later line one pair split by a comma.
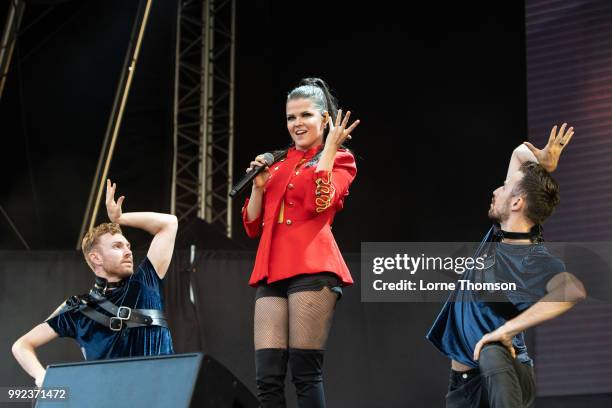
x,y
299,205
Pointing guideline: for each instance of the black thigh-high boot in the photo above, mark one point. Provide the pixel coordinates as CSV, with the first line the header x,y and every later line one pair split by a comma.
x,y
307,376
270,372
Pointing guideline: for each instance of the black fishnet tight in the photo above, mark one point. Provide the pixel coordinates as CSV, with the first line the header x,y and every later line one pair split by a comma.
x,y
302,321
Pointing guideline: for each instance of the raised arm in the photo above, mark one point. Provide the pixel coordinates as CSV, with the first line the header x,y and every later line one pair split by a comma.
x,y
520,155
548,157
564,291
163,227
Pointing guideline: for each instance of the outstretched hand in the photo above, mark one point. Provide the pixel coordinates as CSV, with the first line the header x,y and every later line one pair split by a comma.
x,y
113,209
548,157
338,132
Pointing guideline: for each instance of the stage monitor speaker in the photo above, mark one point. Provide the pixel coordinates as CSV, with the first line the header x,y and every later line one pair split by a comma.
x,y
179,380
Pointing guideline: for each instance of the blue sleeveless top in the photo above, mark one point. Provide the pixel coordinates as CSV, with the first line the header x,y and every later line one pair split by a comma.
x,y
143,290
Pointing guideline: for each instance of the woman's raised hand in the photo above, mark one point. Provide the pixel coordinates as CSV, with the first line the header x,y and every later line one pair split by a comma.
x,y
339,132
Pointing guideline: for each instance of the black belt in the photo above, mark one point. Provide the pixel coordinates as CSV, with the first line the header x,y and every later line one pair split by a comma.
x,y
122,316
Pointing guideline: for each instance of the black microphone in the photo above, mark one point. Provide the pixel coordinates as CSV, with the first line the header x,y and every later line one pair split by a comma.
x,y
269,158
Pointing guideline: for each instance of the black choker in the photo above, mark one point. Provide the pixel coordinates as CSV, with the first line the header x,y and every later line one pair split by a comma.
x,y
101,285
534,235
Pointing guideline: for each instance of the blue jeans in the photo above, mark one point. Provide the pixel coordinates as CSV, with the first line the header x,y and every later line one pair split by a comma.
x,y
500,381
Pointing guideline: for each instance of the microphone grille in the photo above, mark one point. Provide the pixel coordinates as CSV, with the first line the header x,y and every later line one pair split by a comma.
x,y
269,158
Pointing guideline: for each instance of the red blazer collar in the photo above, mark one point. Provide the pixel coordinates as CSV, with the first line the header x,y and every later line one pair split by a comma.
x,y
293,152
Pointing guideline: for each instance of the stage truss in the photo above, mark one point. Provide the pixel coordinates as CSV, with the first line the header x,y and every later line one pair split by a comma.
x,y
204,112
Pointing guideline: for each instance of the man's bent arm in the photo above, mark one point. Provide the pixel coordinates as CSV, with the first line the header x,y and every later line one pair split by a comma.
x,y
520,155
153,223
163,227
24,350
564,291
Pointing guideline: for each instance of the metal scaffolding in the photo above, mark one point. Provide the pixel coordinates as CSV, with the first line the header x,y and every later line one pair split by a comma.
x,y
204,112
9,37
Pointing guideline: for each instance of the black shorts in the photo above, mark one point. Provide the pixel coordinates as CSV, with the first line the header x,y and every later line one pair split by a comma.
x,y
301,283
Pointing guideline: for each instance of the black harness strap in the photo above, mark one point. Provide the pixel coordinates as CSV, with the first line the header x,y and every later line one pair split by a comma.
x,y
122,316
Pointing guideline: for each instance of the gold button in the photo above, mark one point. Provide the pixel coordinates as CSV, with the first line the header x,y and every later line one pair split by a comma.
x,y
291,203
297,172
288,222
290,186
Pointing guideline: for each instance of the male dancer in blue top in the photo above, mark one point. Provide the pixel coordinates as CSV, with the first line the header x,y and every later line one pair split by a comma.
x,y
482,335
123,315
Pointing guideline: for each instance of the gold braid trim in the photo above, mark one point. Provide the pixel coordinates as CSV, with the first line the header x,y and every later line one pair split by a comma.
x,y
324,193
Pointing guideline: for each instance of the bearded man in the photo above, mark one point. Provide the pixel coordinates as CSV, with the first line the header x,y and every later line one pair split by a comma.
x,y
482,333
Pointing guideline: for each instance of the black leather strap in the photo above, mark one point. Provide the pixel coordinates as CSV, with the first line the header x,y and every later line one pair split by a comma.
x,y
122,316
139,316
115,323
